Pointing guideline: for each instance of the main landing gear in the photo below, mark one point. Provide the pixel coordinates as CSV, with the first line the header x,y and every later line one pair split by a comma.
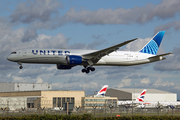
x,y
88,69
20,67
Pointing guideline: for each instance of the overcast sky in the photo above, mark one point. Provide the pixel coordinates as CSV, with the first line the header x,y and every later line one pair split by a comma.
x,y
93,24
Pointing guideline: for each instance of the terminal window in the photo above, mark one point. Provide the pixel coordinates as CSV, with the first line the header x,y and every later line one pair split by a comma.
x,y
58,101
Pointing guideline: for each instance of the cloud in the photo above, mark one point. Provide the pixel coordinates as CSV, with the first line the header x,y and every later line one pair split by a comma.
x,y
18,79
145,81
166,9
33,72
135,76
89,87
124,83
12,41
138,44
5,27
39,80
160,82
169,25
29,34
120,72
92,45
22,29
44,14
29,11
172,62
96,36
177,87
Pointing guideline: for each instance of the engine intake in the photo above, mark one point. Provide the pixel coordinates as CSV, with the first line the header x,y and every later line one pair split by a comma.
x,y
74,60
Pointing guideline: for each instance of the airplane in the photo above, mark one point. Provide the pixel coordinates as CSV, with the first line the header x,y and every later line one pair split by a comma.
x,y
102,91
159,104
140,103
155,104
139,100
65,59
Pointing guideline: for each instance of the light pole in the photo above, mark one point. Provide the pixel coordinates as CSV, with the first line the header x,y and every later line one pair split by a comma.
x,y
132,99
134,90
111,107
77,108
94,107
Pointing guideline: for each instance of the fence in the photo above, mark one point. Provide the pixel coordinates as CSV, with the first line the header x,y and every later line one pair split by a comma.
x,y
19,108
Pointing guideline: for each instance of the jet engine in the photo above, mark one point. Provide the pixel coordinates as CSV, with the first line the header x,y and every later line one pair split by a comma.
x,y
74,60
65,67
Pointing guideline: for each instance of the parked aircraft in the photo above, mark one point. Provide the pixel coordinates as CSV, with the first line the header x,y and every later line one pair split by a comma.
x,y
68,58
159,104
154,104
102,91
139,100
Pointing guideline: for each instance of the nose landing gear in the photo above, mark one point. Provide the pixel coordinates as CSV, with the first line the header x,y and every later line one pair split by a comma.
x,y
20,67
88,69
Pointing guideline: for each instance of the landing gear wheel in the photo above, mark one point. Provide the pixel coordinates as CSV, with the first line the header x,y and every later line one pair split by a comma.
x,y
83,70
87,71
20,67
92,69
89,68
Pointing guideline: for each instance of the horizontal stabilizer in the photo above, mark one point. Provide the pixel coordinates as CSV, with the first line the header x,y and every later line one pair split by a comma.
x,y
157,56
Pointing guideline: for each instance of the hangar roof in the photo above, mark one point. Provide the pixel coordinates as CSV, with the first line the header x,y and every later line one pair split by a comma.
x,y
140,90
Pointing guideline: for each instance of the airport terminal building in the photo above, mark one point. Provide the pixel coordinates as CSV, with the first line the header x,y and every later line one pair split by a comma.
x,y
24,95
27,95
132,94
45,98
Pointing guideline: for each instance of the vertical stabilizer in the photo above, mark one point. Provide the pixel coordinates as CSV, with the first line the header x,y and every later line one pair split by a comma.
x,y
102,92
152,46
141,96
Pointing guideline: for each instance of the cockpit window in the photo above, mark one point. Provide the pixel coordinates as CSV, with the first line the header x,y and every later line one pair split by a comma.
x,y
13,53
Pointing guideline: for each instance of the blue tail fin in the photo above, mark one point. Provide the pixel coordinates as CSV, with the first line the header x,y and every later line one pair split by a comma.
x,y
152,46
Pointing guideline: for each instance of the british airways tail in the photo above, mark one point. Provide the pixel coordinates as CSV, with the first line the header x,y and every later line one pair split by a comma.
x,y
140,98
102,92
152,46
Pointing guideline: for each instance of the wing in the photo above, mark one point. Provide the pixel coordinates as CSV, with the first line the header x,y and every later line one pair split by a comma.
x,y
94,57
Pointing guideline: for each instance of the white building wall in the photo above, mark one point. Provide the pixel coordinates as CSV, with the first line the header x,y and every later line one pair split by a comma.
x,y
13,103
31,86
6,87
157,97
161,97
10,87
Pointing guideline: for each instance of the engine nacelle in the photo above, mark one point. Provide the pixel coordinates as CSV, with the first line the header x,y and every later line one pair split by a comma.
x,y
66,67
74,60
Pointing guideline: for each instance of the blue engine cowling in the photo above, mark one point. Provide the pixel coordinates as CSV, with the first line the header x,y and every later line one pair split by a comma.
x,y
74,60
59,66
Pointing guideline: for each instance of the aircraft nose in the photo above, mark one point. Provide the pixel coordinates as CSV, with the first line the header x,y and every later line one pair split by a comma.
x,y
9,58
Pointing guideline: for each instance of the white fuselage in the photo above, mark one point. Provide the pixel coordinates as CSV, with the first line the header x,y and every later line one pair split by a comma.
x,y
58,56
153,104
149,104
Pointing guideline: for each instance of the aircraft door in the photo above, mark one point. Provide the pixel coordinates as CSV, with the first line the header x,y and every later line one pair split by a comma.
x,y
19,53
24,52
